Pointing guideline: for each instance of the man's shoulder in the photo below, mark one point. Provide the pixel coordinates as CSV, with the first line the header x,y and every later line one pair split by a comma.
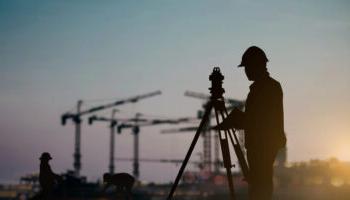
x,y
273,83
268,84
272,86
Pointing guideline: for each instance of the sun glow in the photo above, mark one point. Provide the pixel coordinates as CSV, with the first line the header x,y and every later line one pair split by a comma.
x,y
342,151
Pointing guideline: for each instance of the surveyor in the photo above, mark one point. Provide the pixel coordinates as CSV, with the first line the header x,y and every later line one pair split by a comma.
x,y
47,178
262,122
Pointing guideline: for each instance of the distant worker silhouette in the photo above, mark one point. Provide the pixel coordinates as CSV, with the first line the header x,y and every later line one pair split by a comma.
x,y
262,122
122,181
47,178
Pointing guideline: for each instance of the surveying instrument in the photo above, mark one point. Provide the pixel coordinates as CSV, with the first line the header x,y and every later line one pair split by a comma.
x,y
217,102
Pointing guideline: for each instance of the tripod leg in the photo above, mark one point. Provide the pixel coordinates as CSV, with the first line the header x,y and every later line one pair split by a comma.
x,y
190,150
226,157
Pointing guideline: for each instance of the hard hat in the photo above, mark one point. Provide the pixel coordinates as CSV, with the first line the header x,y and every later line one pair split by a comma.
x,y
45,156
253,54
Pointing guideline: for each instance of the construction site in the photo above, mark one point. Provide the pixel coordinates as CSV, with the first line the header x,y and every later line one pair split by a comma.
x,y
174,100
206,180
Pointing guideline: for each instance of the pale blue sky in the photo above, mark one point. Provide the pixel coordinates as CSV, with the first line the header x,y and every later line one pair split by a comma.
x,y
54,52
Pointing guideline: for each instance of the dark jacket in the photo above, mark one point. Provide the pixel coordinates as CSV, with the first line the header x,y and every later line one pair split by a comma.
x,y
263,116
47,177
262,120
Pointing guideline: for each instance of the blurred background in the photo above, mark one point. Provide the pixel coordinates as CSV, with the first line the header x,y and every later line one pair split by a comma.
x,y
55,53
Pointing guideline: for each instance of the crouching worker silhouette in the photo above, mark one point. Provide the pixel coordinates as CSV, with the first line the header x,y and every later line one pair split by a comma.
x,y
122,181
262,122
47,178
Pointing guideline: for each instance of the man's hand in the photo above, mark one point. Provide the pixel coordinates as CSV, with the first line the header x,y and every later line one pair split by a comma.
x,y
234,120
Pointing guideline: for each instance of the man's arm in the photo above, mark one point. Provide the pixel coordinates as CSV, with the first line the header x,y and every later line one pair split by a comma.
x,y
236,119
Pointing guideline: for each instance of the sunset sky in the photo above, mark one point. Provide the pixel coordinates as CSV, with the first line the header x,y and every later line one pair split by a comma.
x,y
53,53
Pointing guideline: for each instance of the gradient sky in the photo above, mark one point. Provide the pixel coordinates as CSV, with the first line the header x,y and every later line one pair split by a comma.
x,y
53,53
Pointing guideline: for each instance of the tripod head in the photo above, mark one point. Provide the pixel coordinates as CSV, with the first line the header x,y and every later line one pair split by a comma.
x,y
216,79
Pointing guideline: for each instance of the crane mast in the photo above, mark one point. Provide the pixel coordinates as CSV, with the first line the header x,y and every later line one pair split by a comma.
x,y
111,149
77,154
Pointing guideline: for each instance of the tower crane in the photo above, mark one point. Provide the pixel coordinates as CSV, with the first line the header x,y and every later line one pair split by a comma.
x,y
112,126
135,126
76,119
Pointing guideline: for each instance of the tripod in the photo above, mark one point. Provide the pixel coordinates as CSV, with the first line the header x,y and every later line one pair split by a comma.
x,y
217,102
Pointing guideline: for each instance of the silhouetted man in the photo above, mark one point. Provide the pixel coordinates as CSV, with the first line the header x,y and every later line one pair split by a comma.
x,y
262,122
47,178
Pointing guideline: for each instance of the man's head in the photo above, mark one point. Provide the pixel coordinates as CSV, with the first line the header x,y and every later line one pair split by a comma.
x,y
45,157
254,62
